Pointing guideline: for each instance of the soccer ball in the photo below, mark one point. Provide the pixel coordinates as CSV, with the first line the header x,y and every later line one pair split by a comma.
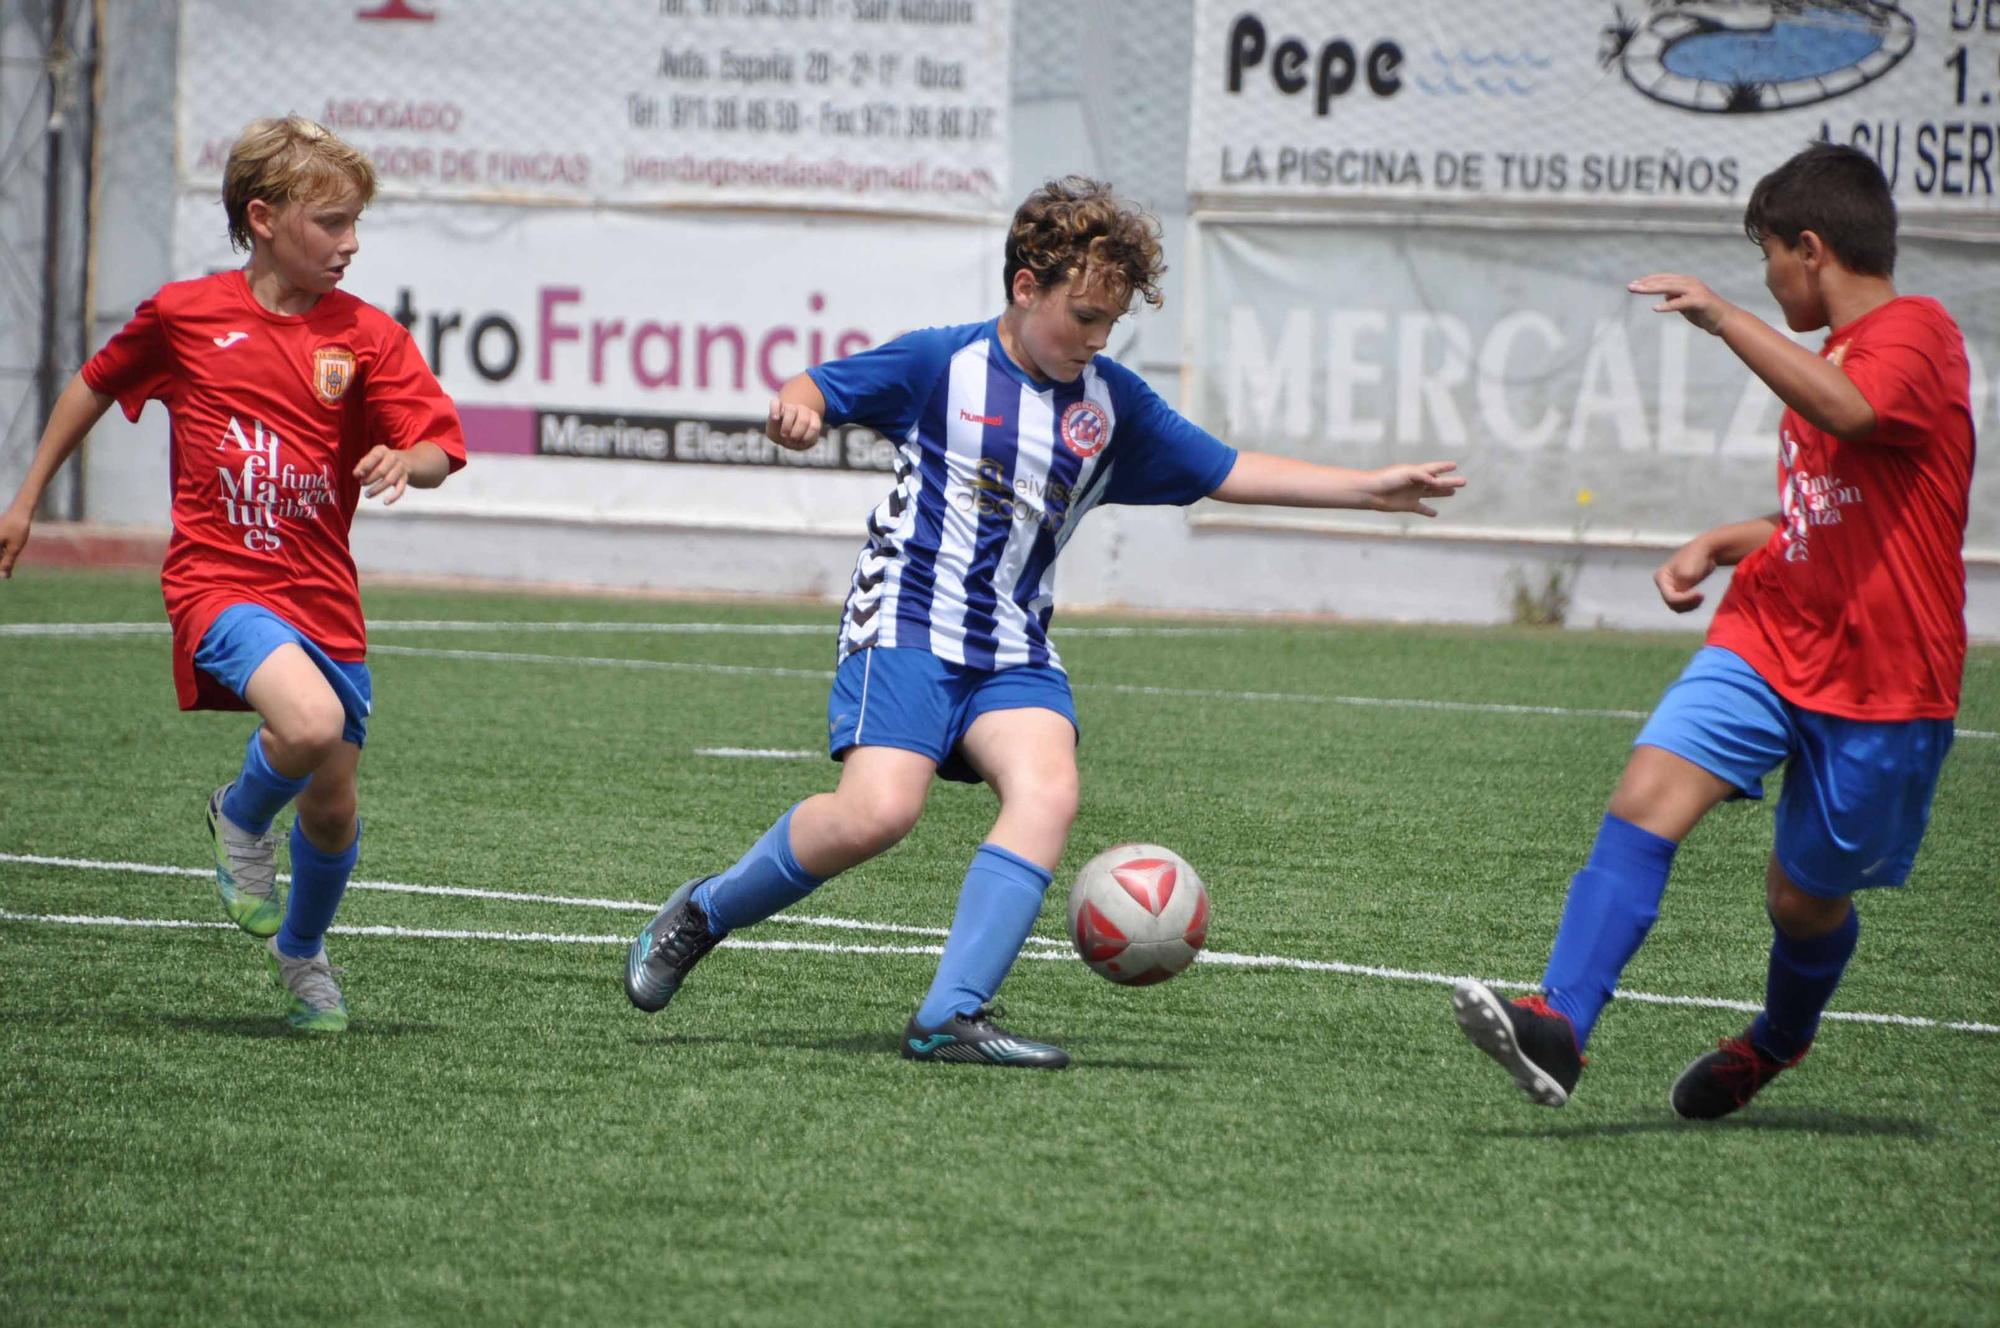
x,y
1138,914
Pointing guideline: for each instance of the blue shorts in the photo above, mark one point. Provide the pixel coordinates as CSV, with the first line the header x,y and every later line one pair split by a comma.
x,y
1857,795
244,636
911,699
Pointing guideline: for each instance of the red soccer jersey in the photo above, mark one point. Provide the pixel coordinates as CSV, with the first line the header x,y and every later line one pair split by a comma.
x,y
270,415
1856,606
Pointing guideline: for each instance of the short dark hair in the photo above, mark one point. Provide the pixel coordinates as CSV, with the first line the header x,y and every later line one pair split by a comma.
x,y
1839,194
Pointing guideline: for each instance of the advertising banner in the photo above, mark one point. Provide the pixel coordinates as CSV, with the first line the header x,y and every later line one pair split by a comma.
x,y
1578,412
1619,102
877,105
655,337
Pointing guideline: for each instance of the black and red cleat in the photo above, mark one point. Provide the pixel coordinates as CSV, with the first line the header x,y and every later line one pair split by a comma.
x,y
1723,1080
1530,1041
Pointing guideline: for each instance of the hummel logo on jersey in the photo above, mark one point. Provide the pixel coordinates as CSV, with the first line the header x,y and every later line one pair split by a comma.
x,y
231,339
990,421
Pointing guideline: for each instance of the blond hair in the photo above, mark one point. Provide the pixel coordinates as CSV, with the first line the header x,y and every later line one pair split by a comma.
x,y
284,160
1076,227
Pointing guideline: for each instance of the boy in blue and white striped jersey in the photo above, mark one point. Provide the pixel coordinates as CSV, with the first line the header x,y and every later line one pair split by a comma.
x,y
1009,431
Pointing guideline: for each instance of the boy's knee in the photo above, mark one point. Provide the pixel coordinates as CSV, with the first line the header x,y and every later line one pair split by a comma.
x,y
311,731
1052,798
881,820
889,821
1802,916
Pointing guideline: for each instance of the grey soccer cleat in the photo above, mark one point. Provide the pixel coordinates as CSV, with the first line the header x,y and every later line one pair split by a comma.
x,y
246,871
976,1039
315,1004
666,951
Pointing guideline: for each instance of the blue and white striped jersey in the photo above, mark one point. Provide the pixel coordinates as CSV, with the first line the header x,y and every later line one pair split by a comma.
x,y
995,471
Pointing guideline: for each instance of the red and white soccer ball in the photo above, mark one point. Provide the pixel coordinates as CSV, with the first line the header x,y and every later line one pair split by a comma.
x,y
1138,914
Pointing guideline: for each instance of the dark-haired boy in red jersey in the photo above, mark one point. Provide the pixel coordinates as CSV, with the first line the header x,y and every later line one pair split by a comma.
x,y
1837,650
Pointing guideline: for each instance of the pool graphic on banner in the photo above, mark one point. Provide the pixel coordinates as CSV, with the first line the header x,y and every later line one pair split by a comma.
x,y
1638,102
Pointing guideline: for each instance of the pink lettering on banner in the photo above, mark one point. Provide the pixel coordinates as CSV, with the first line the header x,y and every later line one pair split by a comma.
x,y
656,355
509,430
669,374
705,337
550,332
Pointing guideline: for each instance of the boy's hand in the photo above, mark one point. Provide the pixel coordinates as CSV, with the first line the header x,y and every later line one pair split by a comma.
x,y
1679,575
792,425
384,468
13,535
1403,488
1687,296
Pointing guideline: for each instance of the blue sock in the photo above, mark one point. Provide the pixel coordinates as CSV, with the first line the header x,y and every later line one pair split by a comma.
x,y
1801,981
259,792
1612,904
318,881
997,907
763,881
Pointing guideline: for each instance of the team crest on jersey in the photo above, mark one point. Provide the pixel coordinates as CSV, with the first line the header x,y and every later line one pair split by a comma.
x,y
1085,428
333,372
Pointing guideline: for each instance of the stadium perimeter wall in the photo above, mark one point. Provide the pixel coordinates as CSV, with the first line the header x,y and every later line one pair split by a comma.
x,y
1117,104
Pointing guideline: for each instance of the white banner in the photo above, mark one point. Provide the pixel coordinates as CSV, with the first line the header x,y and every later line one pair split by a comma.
x,y
656,337
1576,410
1595,101
879,105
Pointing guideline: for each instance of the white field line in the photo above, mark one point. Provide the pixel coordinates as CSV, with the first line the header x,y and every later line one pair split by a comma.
x,y
1042,948
756,753
91,629
510,896
773,671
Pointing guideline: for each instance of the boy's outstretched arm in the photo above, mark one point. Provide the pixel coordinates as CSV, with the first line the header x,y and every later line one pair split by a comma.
x,y
1814,387
797,414
1724,546
1259,477
76,412
394,469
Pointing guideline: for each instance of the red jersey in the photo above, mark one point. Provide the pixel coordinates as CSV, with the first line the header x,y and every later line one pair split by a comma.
x,y
270,415
1856,606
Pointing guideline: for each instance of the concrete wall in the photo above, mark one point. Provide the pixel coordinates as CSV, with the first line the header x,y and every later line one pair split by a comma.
x,y
1126,121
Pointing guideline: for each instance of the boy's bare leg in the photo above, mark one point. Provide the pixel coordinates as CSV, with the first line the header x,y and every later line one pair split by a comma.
x,y
1813,937
326,841
1028,756
302,721
1612,903
1665,794
876,803
879,797
303,718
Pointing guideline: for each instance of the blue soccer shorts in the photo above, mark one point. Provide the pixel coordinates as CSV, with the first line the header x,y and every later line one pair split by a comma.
x,y
911,699
1857,795
244,636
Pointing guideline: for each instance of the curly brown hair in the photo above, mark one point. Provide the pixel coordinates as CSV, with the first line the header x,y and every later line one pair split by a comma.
x,y
1076,226
285,160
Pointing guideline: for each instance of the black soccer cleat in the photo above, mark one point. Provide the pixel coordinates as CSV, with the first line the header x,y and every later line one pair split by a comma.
x,y
663,954
1715,1084
1529,1040
975,1038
